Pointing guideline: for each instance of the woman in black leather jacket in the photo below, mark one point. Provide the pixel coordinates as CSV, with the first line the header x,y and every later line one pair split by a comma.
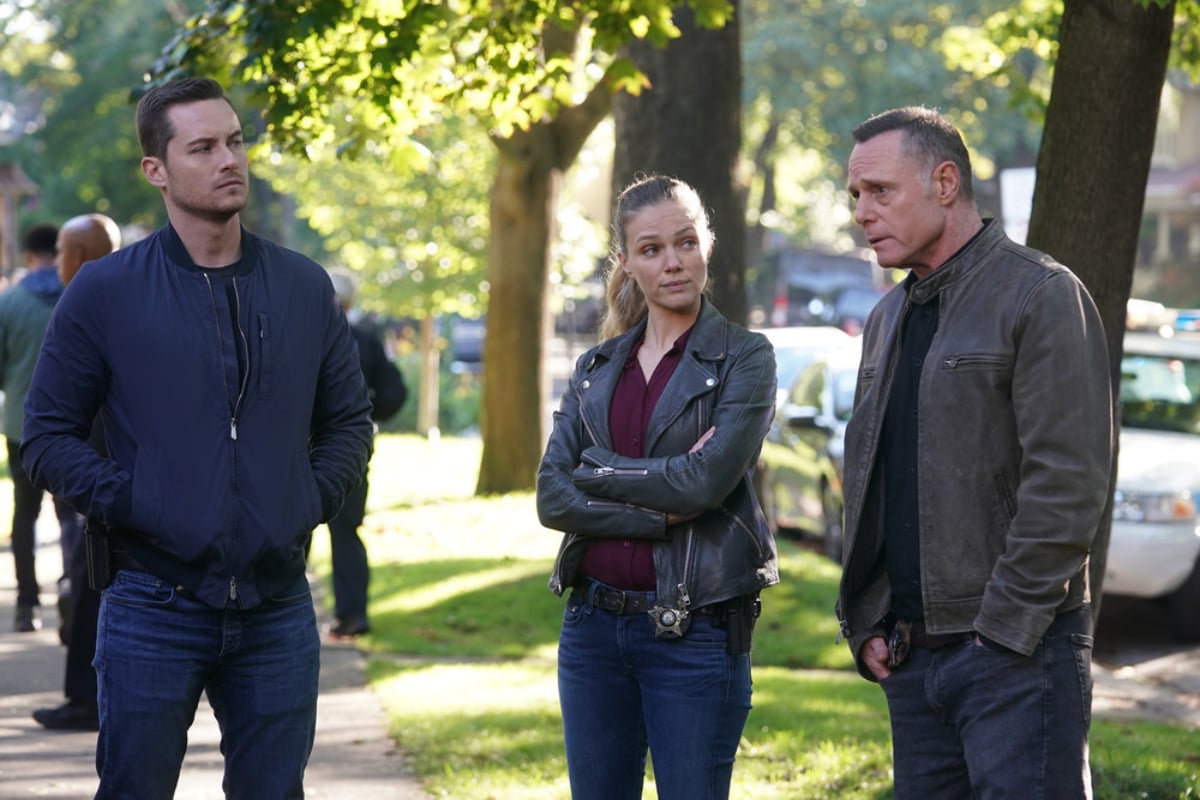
x,y
647,472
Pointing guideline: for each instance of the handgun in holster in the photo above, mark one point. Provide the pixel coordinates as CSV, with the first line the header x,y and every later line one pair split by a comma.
x,y
741,616
98,552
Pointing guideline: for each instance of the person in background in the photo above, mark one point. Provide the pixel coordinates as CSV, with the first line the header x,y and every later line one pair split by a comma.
x,y
647,472
81,239
977,469
388,391
235,421
25,310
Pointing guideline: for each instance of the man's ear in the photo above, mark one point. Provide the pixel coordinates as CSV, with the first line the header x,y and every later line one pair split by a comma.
x,y
946,181
154,171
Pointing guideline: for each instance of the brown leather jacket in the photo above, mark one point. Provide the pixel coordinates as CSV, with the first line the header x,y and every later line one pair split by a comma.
x,y
1015,444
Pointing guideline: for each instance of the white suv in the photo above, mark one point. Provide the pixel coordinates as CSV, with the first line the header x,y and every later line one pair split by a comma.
x,y
1155,549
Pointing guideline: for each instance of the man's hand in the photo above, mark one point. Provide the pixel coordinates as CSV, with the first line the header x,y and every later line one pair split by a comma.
x,y
874,655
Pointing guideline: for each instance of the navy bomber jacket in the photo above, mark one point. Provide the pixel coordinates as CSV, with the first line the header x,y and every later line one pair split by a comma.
x,y
225,449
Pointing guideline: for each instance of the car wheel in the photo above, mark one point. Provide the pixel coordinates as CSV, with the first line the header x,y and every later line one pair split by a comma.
x,y
1182,608
831,507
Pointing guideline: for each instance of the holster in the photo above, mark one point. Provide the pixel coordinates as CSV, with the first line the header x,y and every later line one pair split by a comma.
x,y
740,616
98,552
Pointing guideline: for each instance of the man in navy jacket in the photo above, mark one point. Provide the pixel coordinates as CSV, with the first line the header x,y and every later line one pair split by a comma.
x,y
236,420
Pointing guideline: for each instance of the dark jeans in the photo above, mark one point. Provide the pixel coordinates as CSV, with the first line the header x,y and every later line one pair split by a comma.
x,y
158,650
975,720
623,691
351,571
27,505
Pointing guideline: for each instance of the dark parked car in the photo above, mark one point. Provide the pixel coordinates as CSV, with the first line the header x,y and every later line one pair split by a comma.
x,y
800,469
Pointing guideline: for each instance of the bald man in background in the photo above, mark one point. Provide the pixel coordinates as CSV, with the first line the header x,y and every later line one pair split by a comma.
x,y
81,239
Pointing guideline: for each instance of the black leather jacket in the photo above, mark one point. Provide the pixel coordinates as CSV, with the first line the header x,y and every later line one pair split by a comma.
x,y
726,379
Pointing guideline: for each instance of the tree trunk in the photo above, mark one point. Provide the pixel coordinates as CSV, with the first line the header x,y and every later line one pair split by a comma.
x,y
1094,162
688,124
524,189
522,207
427,401
1096,147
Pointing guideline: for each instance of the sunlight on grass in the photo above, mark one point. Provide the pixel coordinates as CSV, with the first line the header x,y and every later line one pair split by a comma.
x,y
464,638
450,529
493,731
428,596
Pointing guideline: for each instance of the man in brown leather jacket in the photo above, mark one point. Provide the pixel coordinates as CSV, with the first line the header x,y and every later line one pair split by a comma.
x,y
977,469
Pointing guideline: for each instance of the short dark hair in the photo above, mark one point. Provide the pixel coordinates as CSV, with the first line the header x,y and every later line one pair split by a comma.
x,y
41,240
928,136
153,127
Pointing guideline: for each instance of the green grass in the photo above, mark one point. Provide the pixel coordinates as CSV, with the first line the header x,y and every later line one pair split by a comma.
x,y
463,647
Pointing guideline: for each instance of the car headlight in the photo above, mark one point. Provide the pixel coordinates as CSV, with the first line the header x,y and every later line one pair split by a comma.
x,y
1133,506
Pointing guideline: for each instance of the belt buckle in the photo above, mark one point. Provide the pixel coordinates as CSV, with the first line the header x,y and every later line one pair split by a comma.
x,y
899,643
621,603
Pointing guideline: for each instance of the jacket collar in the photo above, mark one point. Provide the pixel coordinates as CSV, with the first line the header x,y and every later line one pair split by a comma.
x,y
706,344
176,252
959,265
708,341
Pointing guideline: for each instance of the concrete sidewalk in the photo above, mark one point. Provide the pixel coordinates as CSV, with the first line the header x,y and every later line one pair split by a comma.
x,y
353,757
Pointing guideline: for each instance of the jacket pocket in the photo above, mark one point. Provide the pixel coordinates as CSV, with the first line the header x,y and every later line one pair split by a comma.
x,y
146,515
972,361
304,497
266,360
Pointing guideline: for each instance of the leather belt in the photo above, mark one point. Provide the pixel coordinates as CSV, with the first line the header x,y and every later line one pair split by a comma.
x,y
923,639
618,601
121,559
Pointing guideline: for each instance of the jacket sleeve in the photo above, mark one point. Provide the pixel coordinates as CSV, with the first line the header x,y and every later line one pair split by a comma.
x,y
562,505
342,434
385,381
68,387
691,483
1063,408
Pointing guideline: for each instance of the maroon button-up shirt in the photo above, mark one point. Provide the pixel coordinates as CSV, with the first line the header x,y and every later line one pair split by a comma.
x,y
629,563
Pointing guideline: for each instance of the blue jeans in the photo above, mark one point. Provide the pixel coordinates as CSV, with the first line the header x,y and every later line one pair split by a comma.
x,y
976,720
622,690
158,649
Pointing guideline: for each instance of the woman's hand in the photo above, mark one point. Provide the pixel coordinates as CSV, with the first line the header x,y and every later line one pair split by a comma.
x,y
708,434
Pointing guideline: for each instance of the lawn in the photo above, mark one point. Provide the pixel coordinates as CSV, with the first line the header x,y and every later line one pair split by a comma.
x,y
463,653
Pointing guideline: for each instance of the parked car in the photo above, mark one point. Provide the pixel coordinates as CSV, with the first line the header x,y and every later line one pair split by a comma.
x,y
796,346
851,306
799,475
1155,548
802,284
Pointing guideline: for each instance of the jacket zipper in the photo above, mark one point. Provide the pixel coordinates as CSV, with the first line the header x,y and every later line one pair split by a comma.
x,y
235,405
245,342
685,598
